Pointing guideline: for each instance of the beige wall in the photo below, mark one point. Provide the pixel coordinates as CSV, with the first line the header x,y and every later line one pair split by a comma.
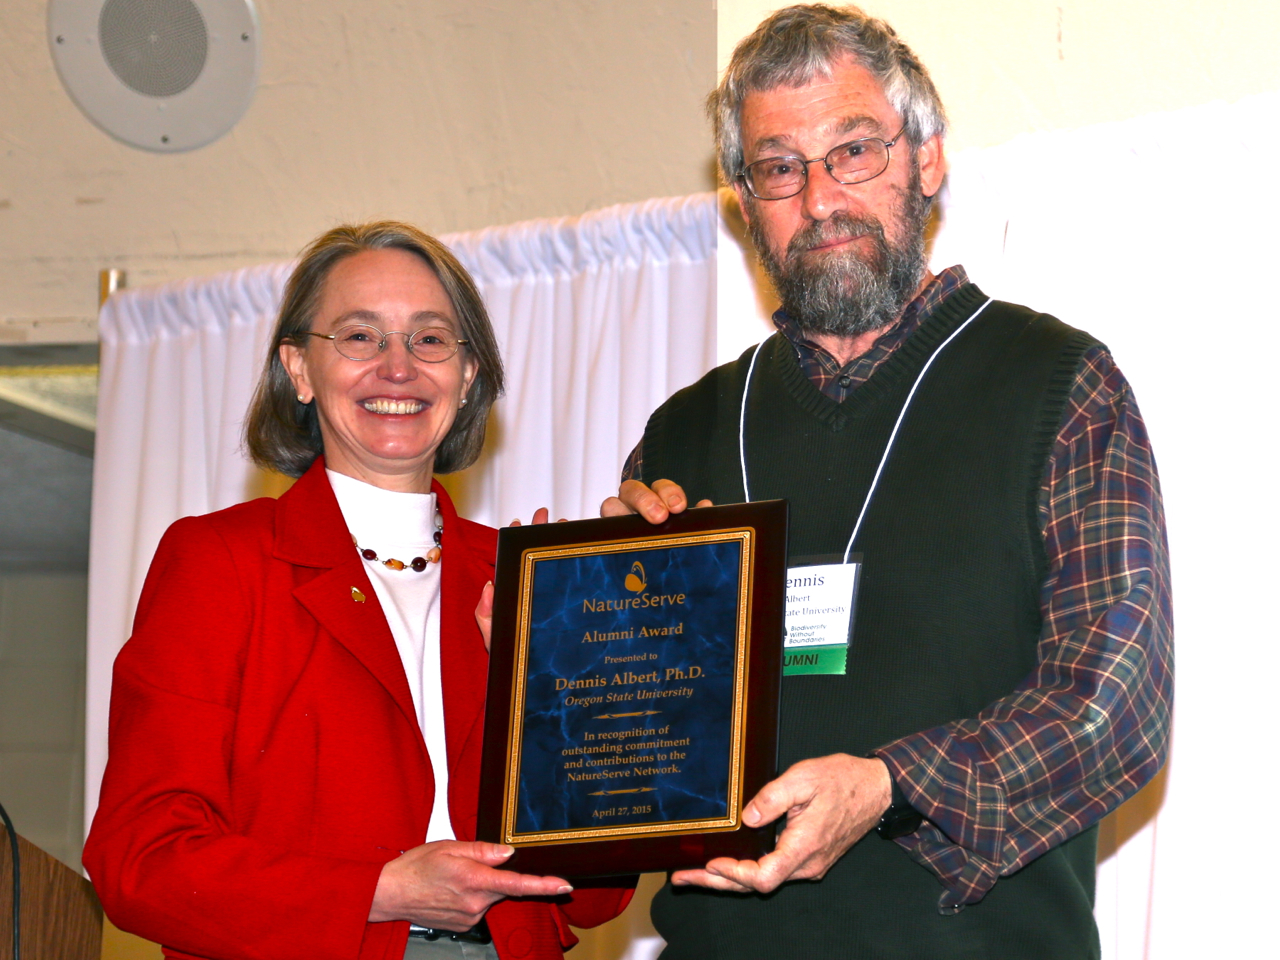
x,y
454,114
1006,67
42,623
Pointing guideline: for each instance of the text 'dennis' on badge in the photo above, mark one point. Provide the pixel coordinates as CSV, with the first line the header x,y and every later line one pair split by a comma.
x,y
819,619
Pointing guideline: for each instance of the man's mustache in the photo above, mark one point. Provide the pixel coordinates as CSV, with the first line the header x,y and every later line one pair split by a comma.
x,y
837,228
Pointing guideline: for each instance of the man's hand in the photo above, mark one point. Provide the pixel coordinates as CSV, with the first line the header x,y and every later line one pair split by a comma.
x,y
830,804
450,884
654,504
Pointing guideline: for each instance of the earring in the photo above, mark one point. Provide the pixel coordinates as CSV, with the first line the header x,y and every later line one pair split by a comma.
x,y
301,398
463,402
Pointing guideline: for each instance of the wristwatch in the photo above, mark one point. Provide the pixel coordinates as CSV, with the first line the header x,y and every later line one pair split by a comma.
x,y
901,818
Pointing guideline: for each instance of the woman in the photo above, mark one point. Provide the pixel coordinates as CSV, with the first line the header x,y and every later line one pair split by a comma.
x,y
301,702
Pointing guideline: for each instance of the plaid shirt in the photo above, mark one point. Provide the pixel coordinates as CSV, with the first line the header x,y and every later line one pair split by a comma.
x,y
1090,725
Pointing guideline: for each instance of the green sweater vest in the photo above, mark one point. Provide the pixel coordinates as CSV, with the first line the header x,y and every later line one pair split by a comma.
x,y
948,612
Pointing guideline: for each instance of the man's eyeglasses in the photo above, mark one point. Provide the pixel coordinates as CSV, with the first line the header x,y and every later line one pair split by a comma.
x,y
359,341
777,178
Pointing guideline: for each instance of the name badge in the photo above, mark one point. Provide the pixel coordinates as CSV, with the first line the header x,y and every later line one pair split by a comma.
x,y
819,620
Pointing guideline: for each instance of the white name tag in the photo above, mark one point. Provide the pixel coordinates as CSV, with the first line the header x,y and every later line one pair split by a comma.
x,y
820,605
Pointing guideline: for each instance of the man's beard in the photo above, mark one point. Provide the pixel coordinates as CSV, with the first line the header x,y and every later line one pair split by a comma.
x,y
849,292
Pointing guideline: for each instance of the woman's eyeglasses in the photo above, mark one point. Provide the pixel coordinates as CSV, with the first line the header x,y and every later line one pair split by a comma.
x,y
360,341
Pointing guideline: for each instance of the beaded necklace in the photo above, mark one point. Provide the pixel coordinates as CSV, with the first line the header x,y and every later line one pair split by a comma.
x,y
417,564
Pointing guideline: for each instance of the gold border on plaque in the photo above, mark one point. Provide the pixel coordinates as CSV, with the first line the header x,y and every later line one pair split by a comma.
x,y
515,732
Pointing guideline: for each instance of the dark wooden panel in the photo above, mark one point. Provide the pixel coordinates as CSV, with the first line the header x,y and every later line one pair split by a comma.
x,y
61,917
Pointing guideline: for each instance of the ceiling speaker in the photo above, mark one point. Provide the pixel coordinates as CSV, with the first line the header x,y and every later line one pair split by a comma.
x,y
163,75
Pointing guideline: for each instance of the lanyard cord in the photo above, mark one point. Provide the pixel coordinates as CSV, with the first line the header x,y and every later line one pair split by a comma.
x,y
742,424
893,435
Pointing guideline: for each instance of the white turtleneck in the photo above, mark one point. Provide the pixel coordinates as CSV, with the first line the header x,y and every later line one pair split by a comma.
x,y
402,525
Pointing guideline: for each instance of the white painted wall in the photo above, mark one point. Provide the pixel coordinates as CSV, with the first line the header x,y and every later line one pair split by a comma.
x,y
1165,266
453,114
1006,67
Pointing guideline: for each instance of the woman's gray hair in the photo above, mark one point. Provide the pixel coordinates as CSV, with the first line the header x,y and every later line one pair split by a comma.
x,y
798,44
283,434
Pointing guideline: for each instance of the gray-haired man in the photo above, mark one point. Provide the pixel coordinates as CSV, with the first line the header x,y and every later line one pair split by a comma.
x,y
1008,678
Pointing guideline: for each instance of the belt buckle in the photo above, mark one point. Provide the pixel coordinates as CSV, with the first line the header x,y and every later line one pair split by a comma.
x,y
477,934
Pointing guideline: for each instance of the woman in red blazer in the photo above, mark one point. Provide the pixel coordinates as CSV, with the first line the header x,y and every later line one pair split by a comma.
x,y
269,786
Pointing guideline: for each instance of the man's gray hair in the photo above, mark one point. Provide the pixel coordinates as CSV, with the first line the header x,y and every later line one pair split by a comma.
x,y
798,44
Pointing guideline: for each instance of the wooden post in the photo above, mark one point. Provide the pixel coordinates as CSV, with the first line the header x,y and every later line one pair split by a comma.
x,y
61,917
109,281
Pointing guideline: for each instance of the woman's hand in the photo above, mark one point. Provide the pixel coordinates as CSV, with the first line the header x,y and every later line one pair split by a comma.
x,y
450,884
484,613
541,515
484,609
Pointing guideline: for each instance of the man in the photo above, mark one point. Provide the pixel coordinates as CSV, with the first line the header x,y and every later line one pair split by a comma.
x,y
1008,678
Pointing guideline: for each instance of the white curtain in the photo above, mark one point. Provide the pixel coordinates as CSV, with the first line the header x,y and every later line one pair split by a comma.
x,y
1157,235
600,318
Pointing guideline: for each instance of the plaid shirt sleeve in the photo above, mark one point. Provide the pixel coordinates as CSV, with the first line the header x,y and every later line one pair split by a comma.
x,y
1090,725
633,469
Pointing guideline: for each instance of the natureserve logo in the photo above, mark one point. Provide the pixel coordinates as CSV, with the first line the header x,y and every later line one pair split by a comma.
x,y
637,581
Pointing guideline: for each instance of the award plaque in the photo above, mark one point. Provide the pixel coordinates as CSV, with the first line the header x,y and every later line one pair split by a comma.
x,y
633,690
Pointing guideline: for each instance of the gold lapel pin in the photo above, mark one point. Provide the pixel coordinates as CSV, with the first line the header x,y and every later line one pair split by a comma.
x,y
356,595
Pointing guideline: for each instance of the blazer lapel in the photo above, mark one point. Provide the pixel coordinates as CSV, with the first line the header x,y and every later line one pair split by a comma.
x,y
464,663
311,532
360,626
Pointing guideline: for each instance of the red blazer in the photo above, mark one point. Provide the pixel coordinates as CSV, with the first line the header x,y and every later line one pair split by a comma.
x,y
265,759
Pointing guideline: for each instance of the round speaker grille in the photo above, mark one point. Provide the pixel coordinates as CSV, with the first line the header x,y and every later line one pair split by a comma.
x,y
163,75
156,47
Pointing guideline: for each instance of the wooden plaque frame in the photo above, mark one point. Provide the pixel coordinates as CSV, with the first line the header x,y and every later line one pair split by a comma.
x,y
758,533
